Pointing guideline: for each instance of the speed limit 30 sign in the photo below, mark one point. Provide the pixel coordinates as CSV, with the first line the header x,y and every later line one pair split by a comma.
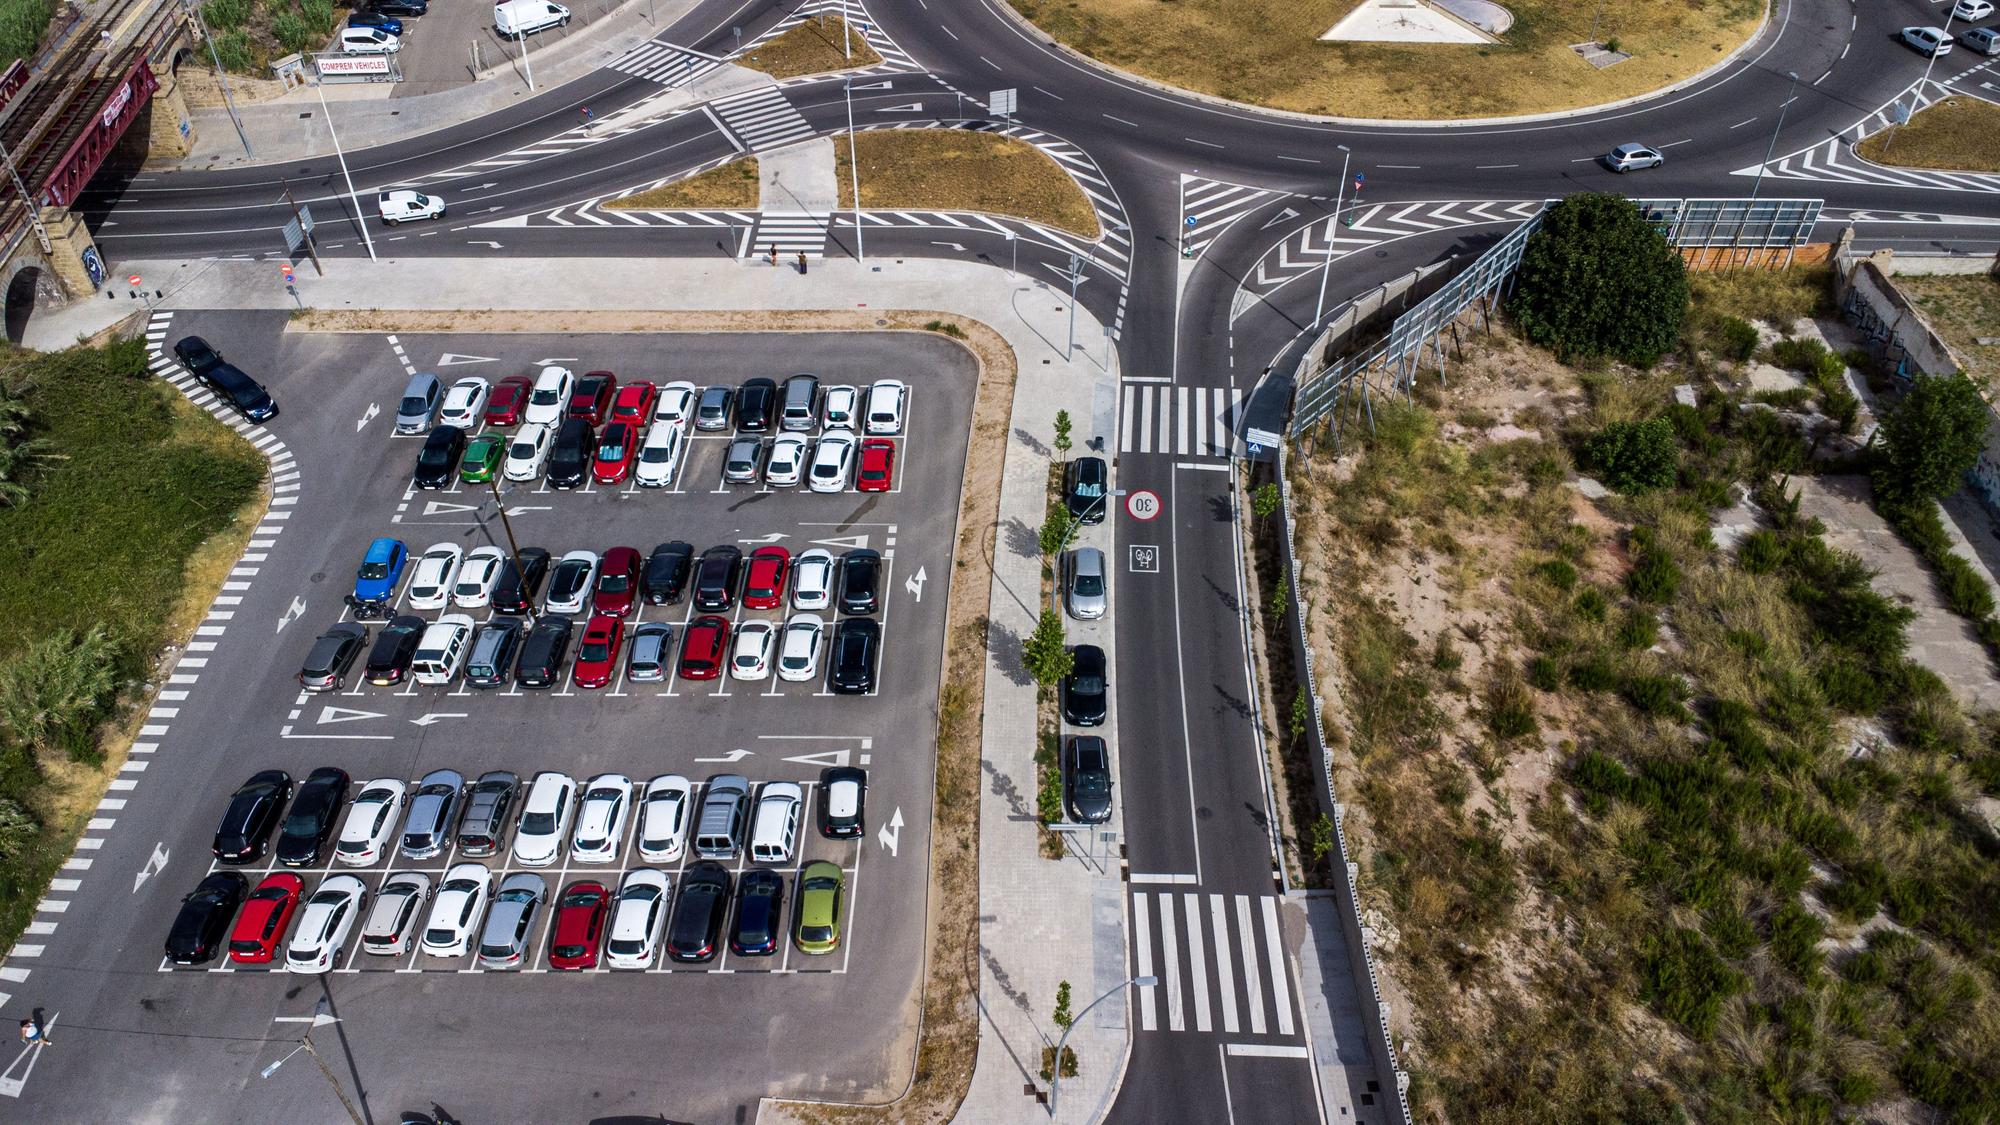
x,y
1143,504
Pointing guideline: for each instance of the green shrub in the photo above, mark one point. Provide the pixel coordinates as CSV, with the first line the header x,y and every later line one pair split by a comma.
x,y
292,30
1590,604
1734,934
1965,589
1659,696
1510,709
1747,642
1737,338
1791,398
1760,552
1855,897
1596,279
1840,405
1930,438
1544,673
1684,981
1557,572
233,49
1856,1087
1850,686
226,15
1634,457
1593,673
1797,353
1655,578
22,23
1638,630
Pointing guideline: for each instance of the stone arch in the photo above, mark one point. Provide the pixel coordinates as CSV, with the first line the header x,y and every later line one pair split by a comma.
x,y
23,296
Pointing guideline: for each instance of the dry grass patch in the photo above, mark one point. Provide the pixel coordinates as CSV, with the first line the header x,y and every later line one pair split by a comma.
x,y
1964,308
1268,52
813,47
732,187
1961,134
953,170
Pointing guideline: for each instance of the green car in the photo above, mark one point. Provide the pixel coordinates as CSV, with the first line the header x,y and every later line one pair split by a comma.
x,y
822,897
482,458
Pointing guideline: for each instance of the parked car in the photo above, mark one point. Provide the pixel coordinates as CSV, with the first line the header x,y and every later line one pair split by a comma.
x,y
600,819
659,457
617,582
878,466
365,40
317,806
483,457
675,406
489,809
1086,774
507,400
822,905
617,448
579,930
760,909
702,645
718,828
885,407
843,802
517,19
633,404
571,581
442,651
464,403
801,402
496,646
570,453
204,916
439,457
435,574
407,9
638,919
417,407
798,648
1633,158
376,579
860,578
332,655
1084,690
1985,40
647,656
545,817
774,826
832,461
698,912
838,407
265,917
764,583
503,944
391,924
812,579
550,396
432,812
243,394
716,578
750,657
517,587
740,463
597,652
1972,9
477,575
756,402
371,820
667,571
857,642
591,400
456,910
541,661
323,924
253,811
528,453
1083,583
711,411
786,463
1086,482
663,816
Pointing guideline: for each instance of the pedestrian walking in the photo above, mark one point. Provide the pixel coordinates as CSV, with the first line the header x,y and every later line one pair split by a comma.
x,y
586,117
32,1033
774,261
802,263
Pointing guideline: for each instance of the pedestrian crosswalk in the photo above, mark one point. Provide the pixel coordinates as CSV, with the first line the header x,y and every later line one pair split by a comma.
x,y
1834,160
1209,206
1220,962
790,233
1184,421
669,64
761,118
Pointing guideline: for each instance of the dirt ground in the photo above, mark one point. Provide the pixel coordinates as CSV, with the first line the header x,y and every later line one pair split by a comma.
x,y
1961,134
958,171
812,47
732,187
1964,309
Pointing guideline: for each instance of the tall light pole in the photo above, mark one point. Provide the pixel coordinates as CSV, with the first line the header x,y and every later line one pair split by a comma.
x,y
1055,1072
306,1045
1332,233
521,37
228,98
1768,152
360,216
1918,89
854,173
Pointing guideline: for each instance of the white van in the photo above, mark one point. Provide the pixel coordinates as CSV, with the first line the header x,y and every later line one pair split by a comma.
x,y
776,824
516,18
442,650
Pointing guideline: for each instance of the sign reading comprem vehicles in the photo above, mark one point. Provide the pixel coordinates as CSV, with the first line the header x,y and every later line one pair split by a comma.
x,y
338,67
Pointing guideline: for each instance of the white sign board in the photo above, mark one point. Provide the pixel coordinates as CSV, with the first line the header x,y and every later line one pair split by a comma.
x,y
1002,102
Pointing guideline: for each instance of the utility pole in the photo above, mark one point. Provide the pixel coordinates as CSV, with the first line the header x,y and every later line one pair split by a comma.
x,y
1757,184
1075,276
1055,1071
1918,89
306,1045
1333,232
228,98
521,37
360,216
854,173
304,230
513,546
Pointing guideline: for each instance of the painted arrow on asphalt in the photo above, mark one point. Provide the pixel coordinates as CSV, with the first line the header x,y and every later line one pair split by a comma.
x,y
915,584
451,359
441,508
891,835
957,247
373,410
291,614
154,864
1284,216
732,756
913,107
437,717
771,538
320,1019
346,715
823,758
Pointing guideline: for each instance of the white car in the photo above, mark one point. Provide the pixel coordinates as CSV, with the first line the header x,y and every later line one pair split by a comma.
x,y
436,574
464,404
750,657
837,406
1972,9
442,650
774,827
600,819
457,909
571,580
660,456
885,407
550,397
676,404
477,576
323,924
787,461
832,461
798,652
638,917
402,206
528,452
366,40
812,579
393,922
1927,40
371,820
663,814
544,819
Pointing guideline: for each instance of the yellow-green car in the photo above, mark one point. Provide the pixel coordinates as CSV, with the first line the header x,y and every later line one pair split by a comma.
x,y
482,458
822,899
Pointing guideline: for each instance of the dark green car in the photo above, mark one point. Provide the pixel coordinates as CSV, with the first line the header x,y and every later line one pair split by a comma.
x,y
482,458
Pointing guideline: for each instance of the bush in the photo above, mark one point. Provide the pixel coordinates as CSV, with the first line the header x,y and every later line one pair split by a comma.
x,y
1593,673
1655,578
1639,630
1965,589
1590,604
1658,696
1850,686
1684,981
1760,552
1597,279
1840,405
1546,675
1738,338
226,15
53,696
1931,437
22,23
1510,709
233,48
1634,457
292,30
1557,572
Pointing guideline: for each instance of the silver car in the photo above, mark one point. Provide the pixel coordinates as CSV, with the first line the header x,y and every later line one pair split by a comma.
x,y
392,921
432,809
1632,158
646,659
419,403
712,411
740,467
504,942
1083,583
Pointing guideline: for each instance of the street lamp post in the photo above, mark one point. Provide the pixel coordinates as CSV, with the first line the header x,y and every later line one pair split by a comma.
x,y
1055,1071
513,547
1332,233
854,173
221,77
1918,89
1768,152
360,216
306,1045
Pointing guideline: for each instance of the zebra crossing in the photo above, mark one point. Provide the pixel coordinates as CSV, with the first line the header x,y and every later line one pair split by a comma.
x,y
1209,206
789,233
761,119
669,64
1183,421
1220,962
1834,159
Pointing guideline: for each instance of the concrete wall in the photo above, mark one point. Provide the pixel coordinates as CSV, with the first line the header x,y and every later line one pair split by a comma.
x,y
1871,302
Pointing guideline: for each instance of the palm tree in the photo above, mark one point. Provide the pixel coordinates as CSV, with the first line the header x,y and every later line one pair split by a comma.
x,y
18,452
53,695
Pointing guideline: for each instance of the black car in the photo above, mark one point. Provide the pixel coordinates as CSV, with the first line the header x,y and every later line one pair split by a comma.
x,y
1086,774
843,801
204,917
1083,689
321,797
570,453
1085,481
240,391
381,21
389,658
437,465
760,906
542,653
517,587
331,655
856,640
715,578
755,403
197,356
860,574
489,809
495,646
696,922
667,572
252,813
403,9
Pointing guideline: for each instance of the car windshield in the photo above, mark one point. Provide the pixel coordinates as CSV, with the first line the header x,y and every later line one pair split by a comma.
x,y
434,455
539,823
1091,784
656,455
522,451
1089,685
546,396
375,571
611,451
414,404
301,824
615,582
816,933
596,651
1089,491
1089,585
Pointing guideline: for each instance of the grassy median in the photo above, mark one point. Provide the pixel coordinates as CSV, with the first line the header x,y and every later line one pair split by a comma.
x,y
1268,52
953,170
812,47
1961,134
732,187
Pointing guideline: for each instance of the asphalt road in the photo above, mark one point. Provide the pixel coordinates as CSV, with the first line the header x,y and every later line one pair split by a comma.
x,y
1195,340
699,1045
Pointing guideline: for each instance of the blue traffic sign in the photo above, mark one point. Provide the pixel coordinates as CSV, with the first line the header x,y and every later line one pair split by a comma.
x,y
1193,220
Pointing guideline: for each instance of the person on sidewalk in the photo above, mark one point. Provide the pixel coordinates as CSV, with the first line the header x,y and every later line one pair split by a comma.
x,y
802,263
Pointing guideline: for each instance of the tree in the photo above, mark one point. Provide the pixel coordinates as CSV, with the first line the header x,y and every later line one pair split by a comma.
x,y
1634,457
53,695
1062,442
1930,439
1597,279
1056,529
1044,653
1062,1018
17,829
1265,502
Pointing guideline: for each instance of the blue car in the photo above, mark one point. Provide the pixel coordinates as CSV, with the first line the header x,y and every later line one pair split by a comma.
x,y
375,582
388,24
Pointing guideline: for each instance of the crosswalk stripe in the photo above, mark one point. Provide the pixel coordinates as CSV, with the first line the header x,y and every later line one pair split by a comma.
x,y
1218,919
1125,431
1166,421
1280,982
762,118
1171,962
1247,946
1197,963
1181,416
1145,419
1149,1017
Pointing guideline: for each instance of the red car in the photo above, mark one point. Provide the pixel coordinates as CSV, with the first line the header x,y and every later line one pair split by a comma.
x,y
591,400
579,926
634,403
510,395
597,656
617,446
878,465
764,587
617,582
702,648
265,915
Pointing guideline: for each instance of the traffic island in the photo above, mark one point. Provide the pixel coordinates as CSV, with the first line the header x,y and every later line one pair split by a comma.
x,y
813,47
731,187
955,170
1960,134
